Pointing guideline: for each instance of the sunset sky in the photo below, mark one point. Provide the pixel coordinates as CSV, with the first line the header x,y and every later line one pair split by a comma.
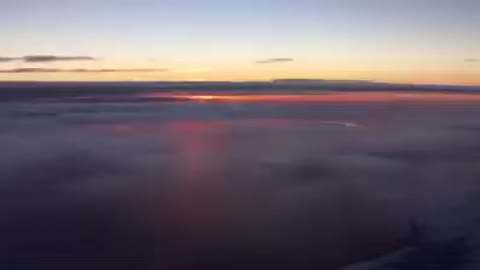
x,y
411,41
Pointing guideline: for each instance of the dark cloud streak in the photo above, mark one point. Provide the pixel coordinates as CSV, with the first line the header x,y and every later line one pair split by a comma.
x,y
46,58
54,70
275,60
53,58
7,59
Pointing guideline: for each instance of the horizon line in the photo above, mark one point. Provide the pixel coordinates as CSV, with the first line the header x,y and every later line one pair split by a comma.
x,y
279,80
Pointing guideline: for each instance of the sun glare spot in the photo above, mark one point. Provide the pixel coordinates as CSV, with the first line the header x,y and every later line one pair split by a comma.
x,y
203,97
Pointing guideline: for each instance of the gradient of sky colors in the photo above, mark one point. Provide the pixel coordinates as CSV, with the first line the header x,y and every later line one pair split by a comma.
x,y
413,41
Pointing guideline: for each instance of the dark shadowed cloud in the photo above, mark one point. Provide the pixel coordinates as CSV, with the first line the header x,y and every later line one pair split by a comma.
x,y
274,60
55,70
472,60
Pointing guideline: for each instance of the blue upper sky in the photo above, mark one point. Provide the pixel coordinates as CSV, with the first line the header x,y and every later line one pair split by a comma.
x,y
434,41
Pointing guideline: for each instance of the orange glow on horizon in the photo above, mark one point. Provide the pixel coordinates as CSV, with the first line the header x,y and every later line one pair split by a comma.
x,y
327,97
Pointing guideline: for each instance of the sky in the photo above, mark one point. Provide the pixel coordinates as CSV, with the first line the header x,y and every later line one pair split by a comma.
x,y
408,41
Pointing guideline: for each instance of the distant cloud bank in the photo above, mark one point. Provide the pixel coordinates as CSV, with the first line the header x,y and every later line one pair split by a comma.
x,y
274,60
472,60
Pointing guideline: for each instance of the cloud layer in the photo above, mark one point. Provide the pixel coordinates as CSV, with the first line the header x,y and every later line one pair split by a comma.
x,y
274,60
161,185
